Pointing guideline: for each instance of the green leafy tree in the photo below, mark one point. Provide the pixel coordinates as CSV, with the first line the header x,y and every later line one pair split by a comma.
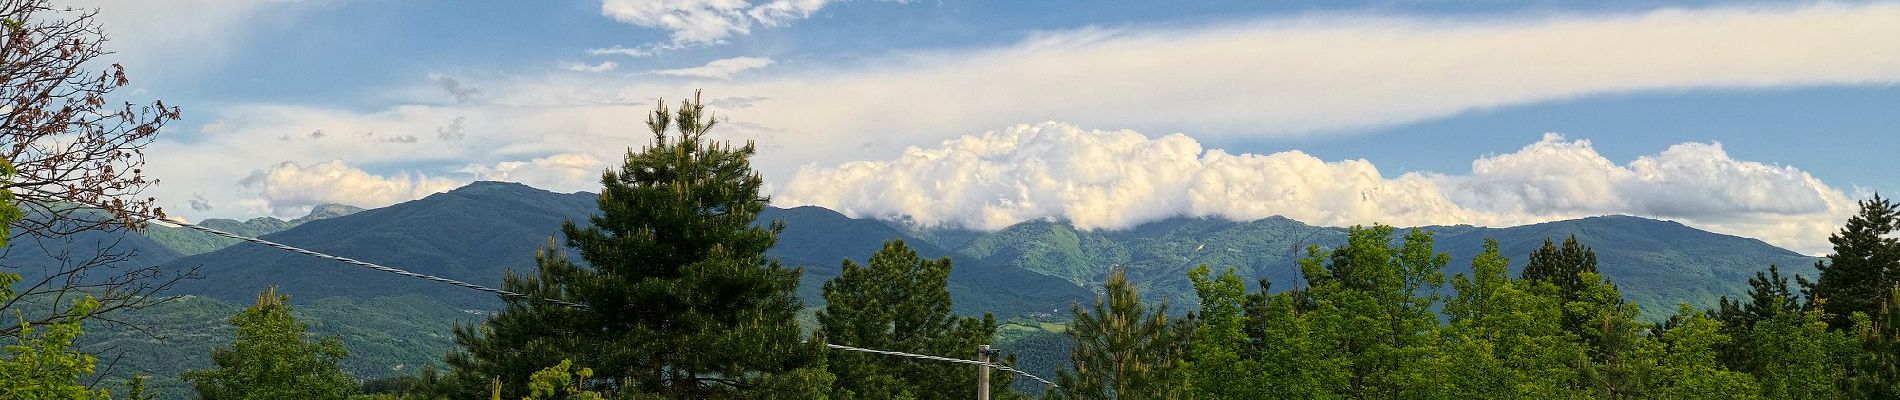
x,y
1621,355
558,383
679,298
1689,367
1122,348
1563,267
1504,341
1372,303
1864,264
1795,356
1291,363
271,359
901,302
1223,364
1768,297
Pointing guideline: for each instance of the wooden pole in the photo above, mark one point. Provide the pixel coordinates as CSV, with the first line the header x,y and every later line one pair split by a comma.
x,y
983,373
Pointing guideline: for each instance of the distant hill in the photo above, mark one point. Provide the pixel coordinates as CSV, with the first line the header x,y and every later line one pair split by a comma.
x,y
1656,263
190,242
479,232
1028,273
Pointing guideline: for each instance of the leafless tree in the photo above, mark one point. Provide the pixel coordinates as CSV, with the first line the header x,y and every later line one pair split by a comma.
x,y
78,158
74,150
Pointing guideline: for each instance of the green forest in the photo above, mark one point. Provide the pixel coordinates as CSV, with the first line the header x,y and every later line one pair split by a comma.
x,y
668,293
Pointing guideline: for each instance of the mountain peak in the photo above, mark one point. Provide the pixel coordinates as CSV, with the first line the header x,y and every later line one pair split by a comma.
x,y
325,211
488,186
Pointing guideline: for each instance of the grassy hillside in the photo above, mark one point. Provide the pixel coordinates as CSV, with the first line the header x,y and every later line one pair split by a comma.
x,y
386,336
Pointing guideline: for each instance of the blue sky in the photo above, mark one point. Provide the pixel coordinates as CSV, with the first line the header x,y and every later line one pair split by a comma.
x,y
1761,119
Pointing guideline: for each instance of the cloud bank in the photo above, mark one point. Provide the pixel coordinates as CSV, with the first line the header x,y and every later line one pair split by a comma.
x,y
699,22
1309,75
1118,179
719,69
290,189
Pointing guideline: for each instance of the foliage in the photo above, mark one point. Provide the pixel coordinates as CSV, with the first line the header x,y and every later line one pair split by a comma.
x,y
680,299
1122,349
270,359
900,302
1863,266
557,383
72,148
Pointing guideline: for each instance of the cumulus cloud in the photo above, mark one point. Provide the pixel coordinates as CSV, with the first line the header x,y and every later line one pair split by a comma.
x,y
1118,179
561,172
699,22
603,66
290,189
1309,75
719,69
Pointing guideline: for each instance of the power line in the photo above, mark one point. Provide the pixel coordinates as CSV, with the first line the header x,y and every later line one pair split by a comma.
x,y
944,359
351,261
437,279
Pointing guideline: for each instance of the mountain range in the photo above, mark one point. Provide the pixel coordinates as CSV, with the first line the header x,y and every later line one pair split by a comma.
x,y
1032,271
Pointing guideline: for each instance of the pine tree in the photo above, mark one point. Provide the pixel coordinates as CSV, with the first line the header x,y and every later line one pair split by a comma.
x,y
901,302
1865,262
1875,371
680,299
1122,349
270,359
1768,296
1562,267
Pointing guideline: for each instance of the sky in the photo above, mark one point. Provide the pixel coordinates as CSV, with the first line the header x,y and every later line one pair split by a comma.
x,y
1758,119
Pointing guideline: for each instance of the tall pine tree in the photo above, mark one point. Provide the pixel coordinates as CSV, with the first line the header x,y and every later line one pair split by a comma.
x,y
680,299
1123,349
901,302
1857,276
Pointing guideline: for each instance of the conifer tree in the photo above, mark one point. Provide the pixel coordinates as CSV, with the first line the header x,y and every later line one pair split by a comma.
x,y
1875,370
679,298
901,302
1123,349
1865,262
270,359
1768,297
1563,268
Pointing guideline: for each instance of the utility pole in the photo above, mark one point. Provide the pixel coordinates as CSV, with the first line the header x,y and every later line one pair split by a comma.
x,y
983,372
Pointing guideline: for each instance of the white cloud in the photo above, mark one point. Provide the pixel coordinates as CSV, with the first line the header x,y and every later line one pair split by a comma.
x,y
699,22
1285,77
569,172
1272,78
1118,179
719,69
621,51
603,66
289,189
